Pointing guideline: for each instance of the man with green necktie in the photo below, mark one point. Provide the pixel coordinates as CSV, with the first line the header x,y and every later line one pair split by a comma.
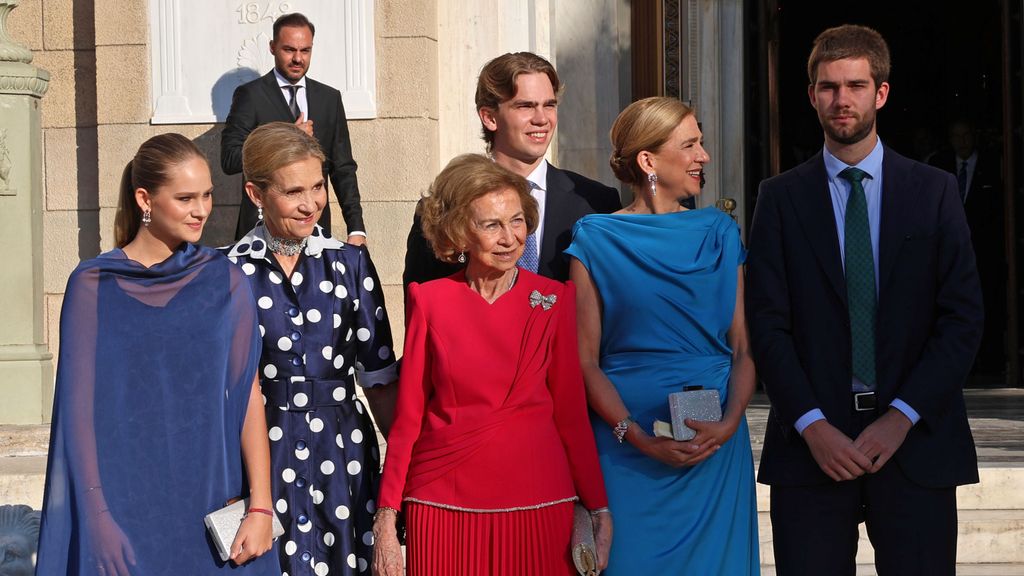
x,y
865,315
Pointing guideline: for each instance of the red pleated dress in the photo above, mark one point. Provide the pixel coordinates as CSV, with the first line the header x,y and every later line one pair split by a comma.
x,y
491,442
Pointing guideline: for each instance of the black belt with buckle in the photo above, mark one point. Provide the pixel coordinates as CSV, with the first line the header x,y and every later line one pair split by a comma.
x,y
864,401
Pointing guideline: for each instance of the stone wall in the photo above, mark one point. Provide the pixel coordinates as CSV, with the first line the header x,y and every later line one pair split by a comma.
x,y
428,55
97,112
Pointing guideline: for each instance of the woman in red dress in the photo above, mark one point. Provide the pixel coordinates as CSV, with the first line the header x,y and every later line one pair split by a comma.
x,y
491,443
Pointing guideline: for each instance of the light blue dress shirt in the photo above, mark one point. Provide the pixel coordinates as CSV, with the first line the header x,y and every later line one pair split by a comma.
x,y
839,189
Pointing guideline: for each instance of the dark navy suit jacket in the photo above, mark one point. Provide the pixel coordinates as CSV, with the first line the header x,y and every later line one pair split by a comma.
x,y
261,101
929,318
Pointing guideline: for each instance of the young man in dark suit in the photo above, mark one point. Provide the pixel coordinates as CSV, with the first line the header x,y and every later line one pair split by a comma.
x,y
517,101
286,94
865,315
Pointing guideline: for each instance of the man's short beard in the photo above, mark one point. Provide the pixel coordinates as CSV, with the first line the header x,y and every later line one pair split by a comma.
x,y
860,132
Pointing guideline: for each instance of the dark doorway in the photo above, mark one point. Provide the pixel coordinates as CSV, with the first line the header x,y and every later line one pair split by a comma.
x,y
950,61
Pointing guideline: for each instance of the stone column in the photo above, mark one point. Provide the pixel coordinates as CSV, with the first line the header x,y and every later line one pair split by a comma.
x,y
26,366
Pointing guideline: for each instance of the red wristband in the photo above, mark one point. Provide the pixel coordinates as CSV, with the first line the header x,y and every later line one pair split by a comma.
x,y
261,511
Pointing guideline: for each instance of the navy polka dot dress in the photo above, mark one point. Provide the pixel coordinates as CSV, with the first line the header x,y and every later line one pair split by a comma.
x,y
324,329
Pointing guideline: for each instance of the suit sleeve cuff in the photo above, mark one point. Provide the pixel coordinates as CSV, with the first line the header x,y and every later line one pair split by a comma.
x,y
909,412
357,233
807,419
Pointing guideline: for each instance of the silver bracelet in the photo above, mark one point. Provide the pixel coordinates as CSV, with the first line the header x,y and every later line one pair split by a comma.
x,y
603,510
621,427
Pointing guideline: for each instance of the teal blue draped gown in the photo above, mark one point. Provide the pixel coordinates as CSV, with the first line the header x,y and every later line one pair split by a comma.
x,y
668,287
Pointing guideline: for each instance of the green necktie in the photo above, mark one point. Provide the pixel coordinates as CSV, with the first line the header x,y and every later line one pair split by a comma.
x,y
860,279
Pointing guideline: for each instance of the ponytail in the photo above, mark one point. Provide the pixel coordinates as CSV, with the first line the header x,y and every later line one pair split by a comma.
x,y
128,218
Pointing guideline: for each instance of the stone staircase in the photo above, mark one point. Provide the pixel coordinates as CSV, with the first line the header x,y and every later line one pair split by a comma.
x,y
991,513
991,516
991,527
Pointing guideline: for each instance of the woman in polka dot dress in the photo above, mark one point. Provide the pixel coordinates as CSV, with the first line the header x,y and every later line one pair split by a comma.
x,y
324,327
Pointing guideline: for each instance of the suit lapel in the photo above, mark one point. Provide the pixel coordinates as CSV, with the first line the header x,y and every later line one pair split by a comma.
x,y
556,198
274,95
898,187
812,203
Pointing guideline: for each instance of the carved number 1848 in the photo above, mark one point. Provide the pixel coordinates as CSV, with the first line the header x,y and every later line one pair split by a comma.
x,y
253,12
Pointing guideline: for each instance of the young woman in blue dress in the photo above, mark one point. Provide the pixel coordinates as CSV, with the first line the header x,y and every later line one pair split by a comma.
x,y
157,419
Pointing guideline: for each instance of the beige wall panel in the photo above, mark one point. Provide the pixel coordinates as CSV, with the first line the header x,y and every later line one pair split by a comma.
x,y
52,334
62,170
407,18
397,158
122,84
119,142
389,223
394,300
61,231
58,105
25,24
407,77
59,26
122,22
106,228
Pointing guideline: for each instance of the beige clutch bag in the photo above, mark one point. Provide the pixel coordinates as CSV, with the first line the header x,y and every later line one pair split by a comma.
x,y
584,551
223,526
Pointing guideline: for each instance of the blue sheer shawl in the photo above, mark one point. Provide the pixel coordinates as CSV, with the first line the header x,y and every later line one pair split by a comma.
x,y
153,380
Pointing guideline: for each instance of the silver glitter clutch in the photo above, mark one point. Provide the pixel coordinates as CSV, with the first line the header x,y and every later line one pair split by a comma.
x,y
223,526
703,405
584,550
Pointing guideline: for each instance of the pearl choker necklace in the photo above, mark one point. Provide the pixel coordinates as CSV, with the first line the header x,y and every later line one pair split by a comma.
x,y
285,246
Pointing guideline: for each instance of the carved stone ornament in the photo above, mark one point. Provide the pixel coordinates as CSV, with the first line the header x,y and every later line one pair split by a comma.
x,y
19,533
11,51
5,164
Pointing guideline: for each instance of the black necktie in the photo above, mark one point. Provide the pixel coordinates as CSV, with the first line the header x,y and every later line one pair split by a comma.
x,y
961,180
860,279
293,102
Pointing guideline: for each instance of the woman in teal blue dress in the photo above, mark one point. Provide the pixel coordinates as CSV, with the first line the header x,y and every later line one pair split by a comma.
x,y
660,307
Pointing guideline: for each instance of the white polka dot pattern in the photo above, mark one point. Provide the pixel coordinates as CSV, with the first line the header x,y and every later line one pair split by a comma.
x,y
323,322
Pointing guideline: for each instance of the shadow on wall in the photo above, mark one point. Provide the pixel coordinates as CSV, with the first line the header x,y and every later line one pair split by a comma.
x,y
227,191
19,535
224,88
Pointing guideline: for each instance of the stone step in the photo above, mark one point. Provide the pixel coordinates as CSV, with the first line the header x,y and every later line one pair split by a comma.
x,y
990,522
22,479
984,537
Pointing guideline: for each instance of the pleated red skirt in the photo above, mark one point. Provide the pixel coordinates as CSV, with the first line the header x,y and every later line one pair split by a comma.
x,y
442,542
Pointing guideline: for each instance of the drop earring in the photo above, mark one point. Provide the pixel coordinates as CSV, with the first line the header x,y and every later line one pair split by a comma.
x,y
462,257
147,217
653,179
259,213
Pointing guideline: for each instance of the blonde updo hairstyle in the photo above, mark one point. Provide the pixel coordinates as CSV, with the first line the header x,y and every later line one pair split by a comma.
x,y
445,210
644,125
273,146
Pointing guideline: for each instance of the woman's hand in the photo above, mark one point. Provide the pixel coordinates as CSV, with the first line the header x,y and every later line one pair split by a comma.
x,y
714,433
602,537
111,549
673,453
254,538
387,552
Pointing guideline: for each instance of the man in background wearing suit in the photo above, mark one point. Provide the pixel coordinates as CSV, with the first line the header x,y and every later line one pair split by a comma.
x,y
286,94
517,101
865,315
979,184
